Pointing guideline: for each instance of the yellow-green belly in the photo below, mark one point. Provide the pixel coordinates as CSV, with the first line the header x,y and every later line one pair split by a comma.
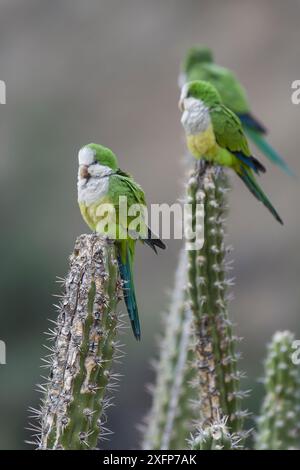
x,y
202,145
90,213
103,218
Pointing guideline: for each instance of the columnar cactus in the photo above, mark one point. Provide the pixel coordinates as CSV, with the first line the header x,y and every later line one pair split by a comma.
x,y
72,414
279,421
215,437
219,379
169,422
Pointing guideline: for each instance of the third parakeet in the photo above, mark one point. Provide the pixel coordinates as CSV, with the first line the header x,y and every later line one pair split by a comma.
x,y
215,133
100,185
199,65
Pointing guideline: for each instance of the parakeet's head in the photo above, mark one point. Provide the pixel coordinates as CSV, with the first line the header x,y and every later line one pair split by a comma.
x,y
199,91
197,55
94,159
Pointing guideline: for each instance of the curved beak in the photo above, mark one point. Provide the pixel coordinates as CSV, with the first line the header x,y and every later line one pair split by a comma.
x,y
84,171
181,105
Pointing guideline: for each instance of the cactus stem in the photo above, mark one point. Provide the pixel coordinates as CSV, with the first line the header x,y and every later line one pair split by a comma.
x,y
208,284
80,360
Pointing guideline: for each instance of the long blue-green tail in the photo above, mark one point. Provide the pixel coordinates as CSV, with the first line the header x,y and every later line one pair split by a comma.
x,y
129,292
267,150
253,187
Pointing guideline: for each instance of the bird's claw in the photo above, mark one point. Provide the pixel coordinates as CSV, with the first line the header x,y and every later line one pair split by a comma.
x,y
218,171
200,168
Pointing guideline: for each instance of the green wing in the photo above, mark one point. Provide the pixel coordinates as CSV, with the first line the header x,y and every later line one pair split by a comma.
x,y
231,91
122,184
228,130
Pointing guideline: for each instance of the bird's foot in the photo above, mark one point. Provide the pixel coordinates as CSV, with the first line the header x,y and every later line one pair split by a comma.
x,y
218,172
200,168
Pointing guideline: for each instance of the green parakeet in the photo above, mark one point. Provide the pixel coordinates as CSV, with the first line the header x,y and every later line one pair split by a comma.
x,y
100,185
199,65
215,133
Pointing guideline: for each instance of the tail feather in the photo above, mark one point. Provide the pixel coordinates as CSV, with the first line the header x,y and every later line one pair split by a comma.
x,y
270,153
250,122
153,241
257,192
129,293
251,162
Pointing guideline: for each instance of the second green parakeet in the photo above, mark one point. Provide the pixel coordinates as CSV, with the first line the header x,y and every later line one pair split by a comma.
x,y
199,65
214,133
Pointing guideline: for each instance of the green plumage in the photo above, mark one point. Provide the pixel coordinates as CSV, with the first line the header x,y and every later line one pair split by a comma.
x,y
232,93
249,180
98,169
228,130
199,65
123,184
220,138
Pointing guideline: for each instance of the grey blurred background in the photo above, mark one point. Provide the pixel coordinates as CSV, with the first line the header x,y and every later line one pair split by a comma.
x,y
106,71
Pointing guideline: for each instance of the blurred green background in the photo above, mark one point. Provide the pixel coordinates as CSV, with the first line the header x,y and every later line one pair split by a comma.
x,y
106,71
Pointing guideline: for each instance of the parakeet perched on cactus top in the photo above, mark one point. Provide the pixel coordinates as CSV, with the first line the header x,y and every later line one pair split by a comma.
x,y
100,185
199,65
215,133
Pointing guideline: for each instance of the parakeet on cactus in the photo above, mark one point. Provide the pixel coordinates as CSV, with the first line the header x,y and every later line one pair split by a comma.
x,y
215,133
199,65
100,184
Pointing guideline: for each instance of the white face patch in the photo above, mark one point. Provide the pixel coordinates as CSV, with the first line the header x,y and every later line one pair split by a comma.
x,y
195,118
86,156
95,187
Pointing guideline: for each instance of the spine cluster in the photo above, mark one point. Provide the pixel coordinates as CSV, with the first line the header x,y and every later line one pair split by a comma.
x,y
215,437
